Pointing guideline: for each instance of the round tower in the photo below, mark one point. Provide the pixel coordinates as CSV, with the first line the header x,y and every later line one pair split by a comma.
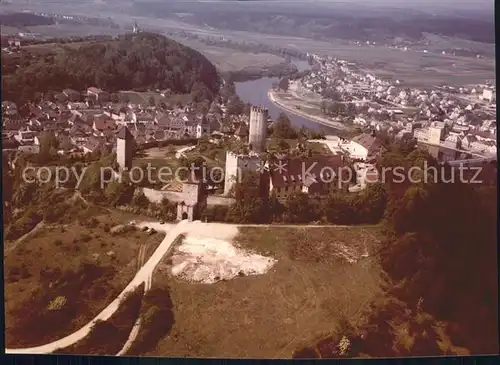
x,y
258,129
124,148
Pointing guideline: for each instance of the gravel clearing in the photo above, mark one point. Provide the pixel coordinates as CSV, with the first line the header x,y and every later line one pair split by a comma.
x,y
209,260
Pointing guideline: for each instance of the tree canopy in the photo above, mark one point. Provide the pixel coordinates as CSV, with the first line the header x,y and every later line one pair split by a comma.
x,y
137,62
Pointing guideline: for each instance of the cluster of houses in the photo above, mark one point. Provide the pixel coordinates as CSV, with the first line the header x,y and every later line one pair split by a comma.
x,y
458,118
89,122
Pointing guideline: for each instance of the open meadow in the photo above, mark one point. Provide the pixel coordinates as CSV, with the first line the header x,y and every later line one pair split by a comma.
x,y
321,277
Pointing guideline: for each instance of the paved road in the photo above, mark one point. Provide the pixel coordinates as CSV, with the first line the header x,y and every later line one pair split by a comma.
x,y
144,275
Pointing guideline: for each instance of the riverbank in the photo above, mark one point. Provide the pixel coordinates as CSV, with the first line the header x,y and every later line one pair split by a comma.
x,y
274,98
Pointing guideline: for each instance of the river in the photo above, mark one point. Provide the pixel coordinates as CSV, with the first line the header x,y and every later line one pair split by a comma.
x,y
255,93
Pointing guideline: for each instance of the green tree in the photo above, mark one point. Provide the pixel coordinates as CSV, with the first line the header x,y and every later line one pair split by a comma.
x,y
48,143
139,200
249,206
283,129
284,84
299,209
118,193
283,146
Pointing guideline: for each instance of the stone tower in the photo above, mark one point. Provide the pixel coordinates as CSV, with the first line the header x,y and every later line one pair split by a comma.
x,y
258,129
124,148
193,200
236,165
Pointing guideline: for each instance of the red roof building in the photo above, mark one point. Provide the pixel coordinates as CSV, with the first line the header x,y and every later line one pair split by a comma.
x,y
317,176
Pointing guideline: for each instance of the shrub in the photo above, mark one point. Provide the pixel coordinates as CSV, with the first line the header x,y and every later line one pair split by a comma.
x,y
85,238
92,223
13,274
108,337
157,318
23,225
56,213
57,304
25,273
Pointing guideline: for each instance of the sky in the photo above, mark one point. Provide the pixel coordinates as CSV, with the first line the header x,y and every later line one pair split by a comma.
x,y
402,3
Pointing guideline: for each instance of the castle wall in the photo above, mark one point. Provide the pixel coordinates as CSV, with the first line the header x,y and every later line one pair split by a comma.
x,y
235,166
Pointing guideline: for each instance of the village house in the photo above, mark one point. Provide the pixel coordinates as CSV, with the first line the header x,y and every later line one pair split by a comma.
x,y
315,176
72,95
9,108
117,113
93,144
103,123
364,146
25,137
97,94
489,95
13,124
29,148
202,127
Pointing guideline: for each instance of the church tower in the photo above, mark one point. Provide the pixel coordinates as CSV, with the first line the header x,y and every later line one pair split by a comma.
x,y
136,28
124,148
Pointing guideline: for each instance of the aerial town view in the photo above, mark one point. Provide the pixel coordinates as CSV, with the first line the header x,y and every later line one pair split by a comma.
x,y
249,179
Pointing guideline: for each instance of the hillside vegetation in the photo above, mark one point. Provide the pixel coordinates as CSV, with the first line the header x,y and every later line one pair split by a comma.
x,y
130,62
24,20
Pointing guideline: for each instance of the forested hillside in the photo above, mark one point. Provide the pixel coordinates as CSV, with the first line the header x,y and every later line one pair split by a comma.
x,y
131,62
24,20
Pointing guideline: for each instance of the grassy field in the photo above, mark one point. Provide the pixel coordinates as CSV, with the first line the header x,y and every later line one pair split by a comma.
x,y
161,152
301,299
316,148
143,98
85,263
226,59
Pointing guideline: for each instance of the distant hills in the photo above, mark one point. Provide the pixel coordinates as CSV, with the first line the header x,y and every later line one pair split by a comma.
x,y
350,20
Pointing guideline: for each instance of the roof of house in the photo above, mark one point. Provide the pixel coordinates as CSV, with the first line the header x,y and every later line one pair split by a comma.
x,y
102,123
93,143
94,90
241,131
173,185
305,171
124,133
163,120
370,142
140,127
159,135
70,91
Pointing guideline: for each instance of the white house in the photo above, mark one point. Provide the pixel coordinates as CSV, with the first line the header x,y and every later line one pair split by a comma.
x,y
489,95
363,146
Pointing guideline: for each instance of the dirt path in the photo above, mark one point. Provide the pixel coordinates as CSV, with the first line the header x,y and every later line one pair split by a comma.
x,y
20,240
